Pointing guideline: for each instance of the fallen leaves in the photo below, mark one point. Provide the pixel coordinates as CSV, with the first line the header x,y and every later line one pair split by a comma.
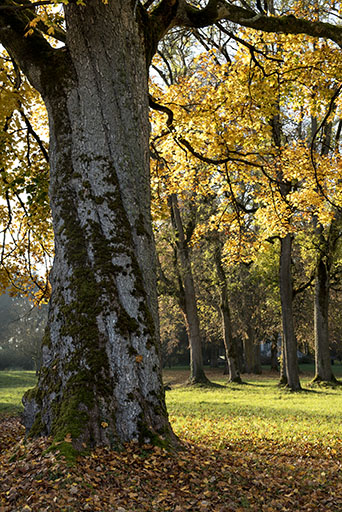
x,y
243,477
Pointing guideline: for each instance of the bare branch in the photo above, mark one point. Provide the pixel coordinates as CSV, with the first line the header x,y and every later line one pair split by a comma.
x,y
31,131
24,6
184,143
216,10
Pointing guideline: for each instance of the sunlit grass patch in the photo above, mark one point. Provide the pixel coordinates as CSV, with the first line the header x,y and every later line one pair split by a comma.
x,y
258,411
13,385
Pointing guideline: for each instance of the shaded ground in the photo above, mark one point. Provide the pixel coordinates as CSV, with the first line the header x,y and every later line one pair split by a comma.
x,y
242,477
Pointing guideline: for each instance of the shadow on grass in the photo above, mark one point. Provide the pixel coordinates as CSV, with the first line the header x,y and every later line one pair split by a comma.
x,y
204,385
306,390
249,411
323,385
17,379
6,408
244,383
320,389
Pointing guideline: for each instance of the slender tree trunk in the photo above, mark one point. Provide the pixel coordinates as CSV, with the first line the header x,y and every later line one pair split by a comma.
x,y
197,374
248,343
282,376
274,353
286,295
213,355
100,381
240,355
257,359
323,370
229,342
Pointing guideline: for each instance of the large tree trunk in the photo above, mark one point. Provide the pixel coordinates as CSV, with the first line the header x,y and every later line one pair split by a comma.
x,y
101,379
229,342
189,303
286,296
323,371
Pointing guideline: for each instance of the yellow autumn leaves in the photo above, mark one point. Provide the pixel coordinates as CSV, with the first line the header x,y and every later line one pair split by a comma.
x,y
245,129
26,236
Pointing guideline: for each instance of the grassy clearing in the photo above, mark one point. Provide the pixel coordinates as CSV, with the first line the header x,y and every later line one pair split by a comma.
x,y
256,410
13,385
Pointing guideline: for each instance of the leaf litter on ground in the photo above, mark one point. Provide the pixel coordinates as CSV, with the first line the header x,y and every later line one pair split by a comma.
x,y
248,448
253,475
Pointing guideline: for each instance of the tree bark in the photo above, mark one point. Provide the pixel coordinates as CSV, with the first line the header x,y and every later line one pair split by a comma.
x,y
286,294
251,352
214,353
101,379
274,353
282,369
189,305
323,370
228,340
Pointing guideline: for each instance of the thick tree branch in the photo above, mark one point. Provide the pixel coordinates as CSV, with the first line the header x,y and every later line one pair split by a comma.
x,y
222,10
171,13
24,6
284,24
33,53
58,32
304,286
35,135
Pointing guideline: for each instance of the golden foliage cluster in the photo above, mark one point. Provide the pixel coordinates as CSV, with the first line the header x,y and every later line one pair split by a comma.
x,y
261,131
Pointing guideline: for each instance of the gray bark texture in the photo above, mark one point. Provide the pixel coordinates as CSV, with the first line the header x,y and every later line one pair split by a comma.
x,y
189,307
286,295
101,379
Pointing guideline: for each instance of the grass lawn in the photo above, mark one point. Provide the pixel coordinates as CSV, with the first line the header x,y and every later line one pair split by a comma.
x,y
251,447
13,385
257,409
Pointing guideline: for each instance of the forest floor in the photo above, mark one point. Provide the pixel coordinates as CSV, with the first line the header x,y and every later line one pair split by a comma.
x,y
251,447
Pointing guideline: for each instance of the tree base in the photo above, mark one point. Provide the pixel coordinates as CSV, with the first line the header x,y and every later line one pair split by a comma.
x,y
236,380
320,381
293,389
199,381
282,381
